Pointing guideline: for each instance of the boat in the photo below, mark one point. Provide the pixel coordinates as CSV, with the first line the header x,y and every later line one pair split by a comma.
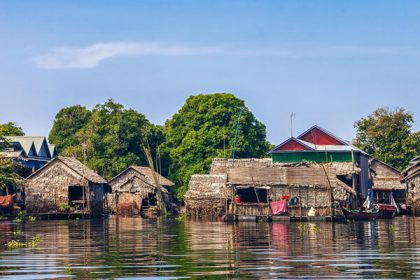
x,y
383,200
386,211
362,215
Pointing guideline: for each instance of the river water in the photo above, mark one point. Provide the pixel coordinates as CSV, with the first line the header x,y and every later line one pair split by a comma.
x,y
134,248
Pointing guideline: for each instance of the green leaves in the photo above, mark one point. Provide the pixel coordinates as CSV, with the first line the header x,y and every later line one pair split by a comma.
x,y
11,129
107,139
387,135
203,129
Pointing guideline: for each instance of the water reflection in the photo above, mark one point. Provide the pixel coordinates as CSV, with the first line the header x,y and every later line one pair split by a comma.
x,y
121,247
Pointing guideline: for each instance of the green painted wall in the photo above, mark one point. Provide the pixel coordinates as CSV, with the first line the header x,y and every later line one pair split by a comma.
x,y
313,156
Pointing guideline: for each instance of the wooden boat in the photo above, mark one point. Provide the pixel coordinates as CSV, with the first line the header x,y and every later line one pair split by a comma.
x,y
386,211
360,214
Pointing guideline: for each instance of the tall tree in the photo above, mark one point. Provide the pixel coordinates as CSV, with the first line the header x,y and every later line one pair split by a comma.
x,y
387,135
108,138
203,129
67,123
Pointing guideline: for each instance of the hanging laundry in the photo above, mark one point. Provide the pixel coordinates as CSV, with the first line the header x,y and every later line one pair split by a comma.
x,y
278,207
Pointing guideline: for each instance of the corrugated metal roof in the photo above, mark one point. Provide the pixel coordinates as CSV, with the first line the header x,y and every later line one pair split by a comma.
x,y
53,150
27,141
346,147
344,142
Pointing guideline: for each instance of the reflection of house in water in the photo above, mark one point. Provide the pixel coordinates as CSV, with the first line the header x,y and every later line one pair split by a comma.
x,y
314,170
134,191
412,180
64,181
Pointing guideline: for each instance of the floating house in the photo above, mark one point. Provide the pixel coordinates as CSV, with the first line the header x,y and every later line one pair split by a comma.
x,y
321,146
134,192
313,173
412,181
65,183
248,186
32,152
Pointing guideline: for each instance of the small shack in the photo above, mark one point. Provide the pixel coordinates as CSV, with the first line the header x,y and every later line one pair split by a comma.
x,y
386,181
412,180
64,184
134,192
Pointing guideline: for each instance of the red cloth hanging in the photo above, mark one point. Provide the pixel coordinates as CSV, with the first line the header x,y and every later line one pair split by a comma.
x,y
278,207
7,200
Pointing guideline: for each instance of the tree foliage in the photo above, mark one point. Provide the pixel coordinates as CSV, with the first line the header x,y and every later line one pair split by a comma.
x,y
108,138
11,129
67,123
387,135
203,129
9,170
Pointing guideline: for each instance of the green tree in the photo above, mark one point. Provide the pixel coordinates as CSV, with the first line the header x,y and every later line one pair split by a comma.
x,y
9,170
67,123
387,135
11,129
108,138
203,129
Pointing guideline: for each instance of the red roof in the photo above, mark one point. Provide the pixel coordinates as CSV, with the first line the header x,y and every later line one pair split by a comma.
x,y
319,136
291,145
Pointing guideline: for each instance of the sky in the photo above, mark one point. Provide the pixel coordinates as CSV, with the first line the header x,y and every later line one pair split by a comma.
x,y
329,62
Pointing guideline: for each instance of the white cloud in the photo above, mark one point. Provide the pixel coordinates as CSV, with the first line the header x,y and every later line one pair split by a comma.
x,y
91,56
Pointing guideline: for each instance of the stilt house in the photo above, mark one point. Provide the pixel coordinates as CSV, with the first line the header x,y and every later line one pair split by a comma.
x,y
412,180
134,192
65,183
314,170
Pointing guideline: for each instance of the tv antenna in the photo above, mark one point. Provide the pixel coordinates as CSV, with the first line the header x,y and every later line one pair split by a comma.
x,y
292,115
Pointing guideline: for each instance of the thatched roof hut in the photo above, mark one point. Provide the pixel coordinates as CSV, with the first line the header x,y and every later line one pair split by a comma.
x,y
134,191
64,183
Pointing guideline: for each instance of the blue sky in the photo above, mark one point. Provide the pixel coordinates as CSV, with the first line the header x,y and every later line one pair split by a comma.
x,y
329,62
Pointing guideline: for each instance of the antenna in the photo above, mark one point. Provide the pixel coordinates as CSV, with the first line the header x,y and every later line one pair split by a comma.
x,y
292,115
236,135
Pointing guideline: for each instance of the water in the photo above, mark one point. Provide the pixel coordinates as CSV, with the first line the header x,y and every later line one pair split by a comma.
x,y
133,248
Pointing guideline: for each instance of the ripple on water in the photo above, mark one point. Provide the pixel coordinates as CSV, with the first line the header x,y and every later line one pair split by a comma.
x,y
132,248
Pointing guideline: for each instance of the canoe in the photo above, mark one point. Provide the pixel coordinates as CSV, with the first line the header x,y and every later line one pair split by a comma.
x,y
360,214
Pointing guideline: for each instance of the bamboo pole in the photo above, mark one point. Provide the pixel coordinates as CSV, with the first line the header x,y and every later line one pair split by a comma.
x,y
330,189
161,204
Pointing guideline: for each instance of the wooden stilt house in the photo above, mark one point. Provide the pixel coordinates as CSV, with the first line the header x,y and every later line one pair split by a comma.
x,y
64,184
134,192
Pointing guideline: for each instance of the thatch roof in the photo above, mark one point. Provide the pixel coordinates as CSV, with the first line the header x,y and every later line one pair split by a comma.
x,y
146,172
202,187
413,169
76,166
